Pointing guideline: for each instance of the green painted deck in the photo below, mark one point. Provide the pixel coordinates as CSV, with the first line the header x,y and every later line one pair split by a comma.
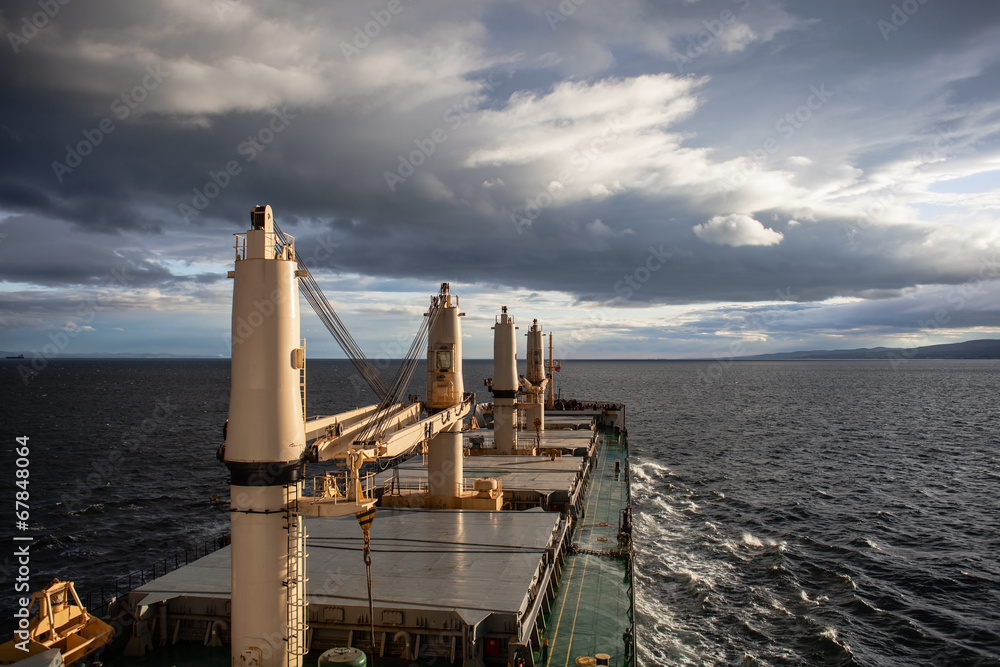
x,y
593,607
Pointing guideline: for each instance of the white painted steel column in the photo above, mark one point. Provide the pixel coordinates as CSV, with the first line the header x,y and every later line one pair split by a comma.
x,y
550,401
535,410
504,385
445,388
264,446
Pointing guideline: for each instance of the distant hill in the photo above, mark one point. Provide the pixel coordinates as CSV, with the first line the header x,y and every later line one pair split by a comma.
x,y
970,349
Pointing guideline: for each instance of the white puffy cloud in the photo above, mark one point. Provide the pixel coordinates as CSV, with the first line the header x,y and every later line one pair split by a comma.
x,y
592,140
737,230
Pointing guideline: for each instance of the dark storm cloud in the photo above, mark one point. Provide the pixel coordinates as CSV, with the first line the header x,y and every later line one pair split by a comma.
x,y
815,261
50,253
135,126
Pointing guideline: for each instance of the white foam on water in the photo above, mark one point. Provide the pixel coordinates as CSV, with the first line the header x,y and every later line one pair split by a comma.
x,y
776,604
670,637
805,598
649,471
696,585
663,505
831,635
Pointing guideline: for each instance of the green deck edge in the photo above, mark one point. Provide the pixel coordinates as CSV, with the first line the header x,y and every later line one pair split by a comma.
x,y
592,611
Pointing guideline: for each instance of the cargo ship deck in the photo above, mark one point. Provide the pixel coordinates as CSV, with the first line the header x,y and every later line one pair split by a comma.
x,y
507,546
546,580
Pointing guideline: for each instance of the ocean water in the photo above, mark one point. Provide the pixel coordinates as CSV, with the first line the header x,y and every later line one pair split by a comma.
x,y
787,513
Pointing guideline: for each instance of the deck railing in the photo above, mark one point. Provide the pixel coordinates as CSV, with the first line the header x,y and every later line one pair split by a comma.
x,y
97,600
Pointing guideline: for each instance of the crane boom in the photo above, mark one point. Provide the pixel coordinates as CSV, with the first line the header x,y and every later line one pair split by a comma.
x,y
336,435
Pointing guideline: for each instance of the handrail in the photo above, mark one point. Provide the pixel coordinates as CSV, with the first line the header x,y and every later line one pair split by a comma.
x,y
137,578
241,246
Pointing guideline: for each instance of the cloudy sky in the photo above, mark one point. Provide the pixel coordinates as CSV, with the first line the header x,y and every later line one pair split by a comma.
x,y
683,178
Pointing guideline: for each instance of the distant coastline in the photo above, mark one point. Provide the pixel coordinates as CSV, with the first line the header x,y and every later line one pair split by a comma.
x,y
986,348
971,349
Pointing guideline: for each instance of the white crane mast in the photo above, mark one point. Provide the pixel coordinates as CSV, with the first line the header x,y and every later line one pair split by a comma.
x,y
265,441
535,380
266,435
504,384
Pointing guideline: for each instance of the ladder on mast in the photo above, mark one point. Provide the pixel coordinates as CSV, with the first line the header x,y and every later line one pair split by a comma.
x,y
295,581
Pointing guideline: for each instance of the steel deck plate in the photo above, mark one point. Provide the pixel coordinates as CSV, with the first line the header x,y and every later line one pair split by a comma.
x,y
474,563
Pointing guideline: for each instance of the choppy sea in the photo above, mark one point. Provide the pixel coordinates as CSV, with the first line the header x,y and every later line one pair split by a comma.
x,y
787,513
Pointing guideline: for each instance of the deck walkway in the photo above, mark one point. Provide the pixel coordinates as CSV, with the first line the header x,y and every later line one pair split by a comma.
x,y
593,606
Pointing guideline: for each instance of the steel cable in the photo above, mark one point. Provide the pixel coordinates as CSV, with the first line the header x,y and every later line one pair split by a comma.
x,y
310,289
389,395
